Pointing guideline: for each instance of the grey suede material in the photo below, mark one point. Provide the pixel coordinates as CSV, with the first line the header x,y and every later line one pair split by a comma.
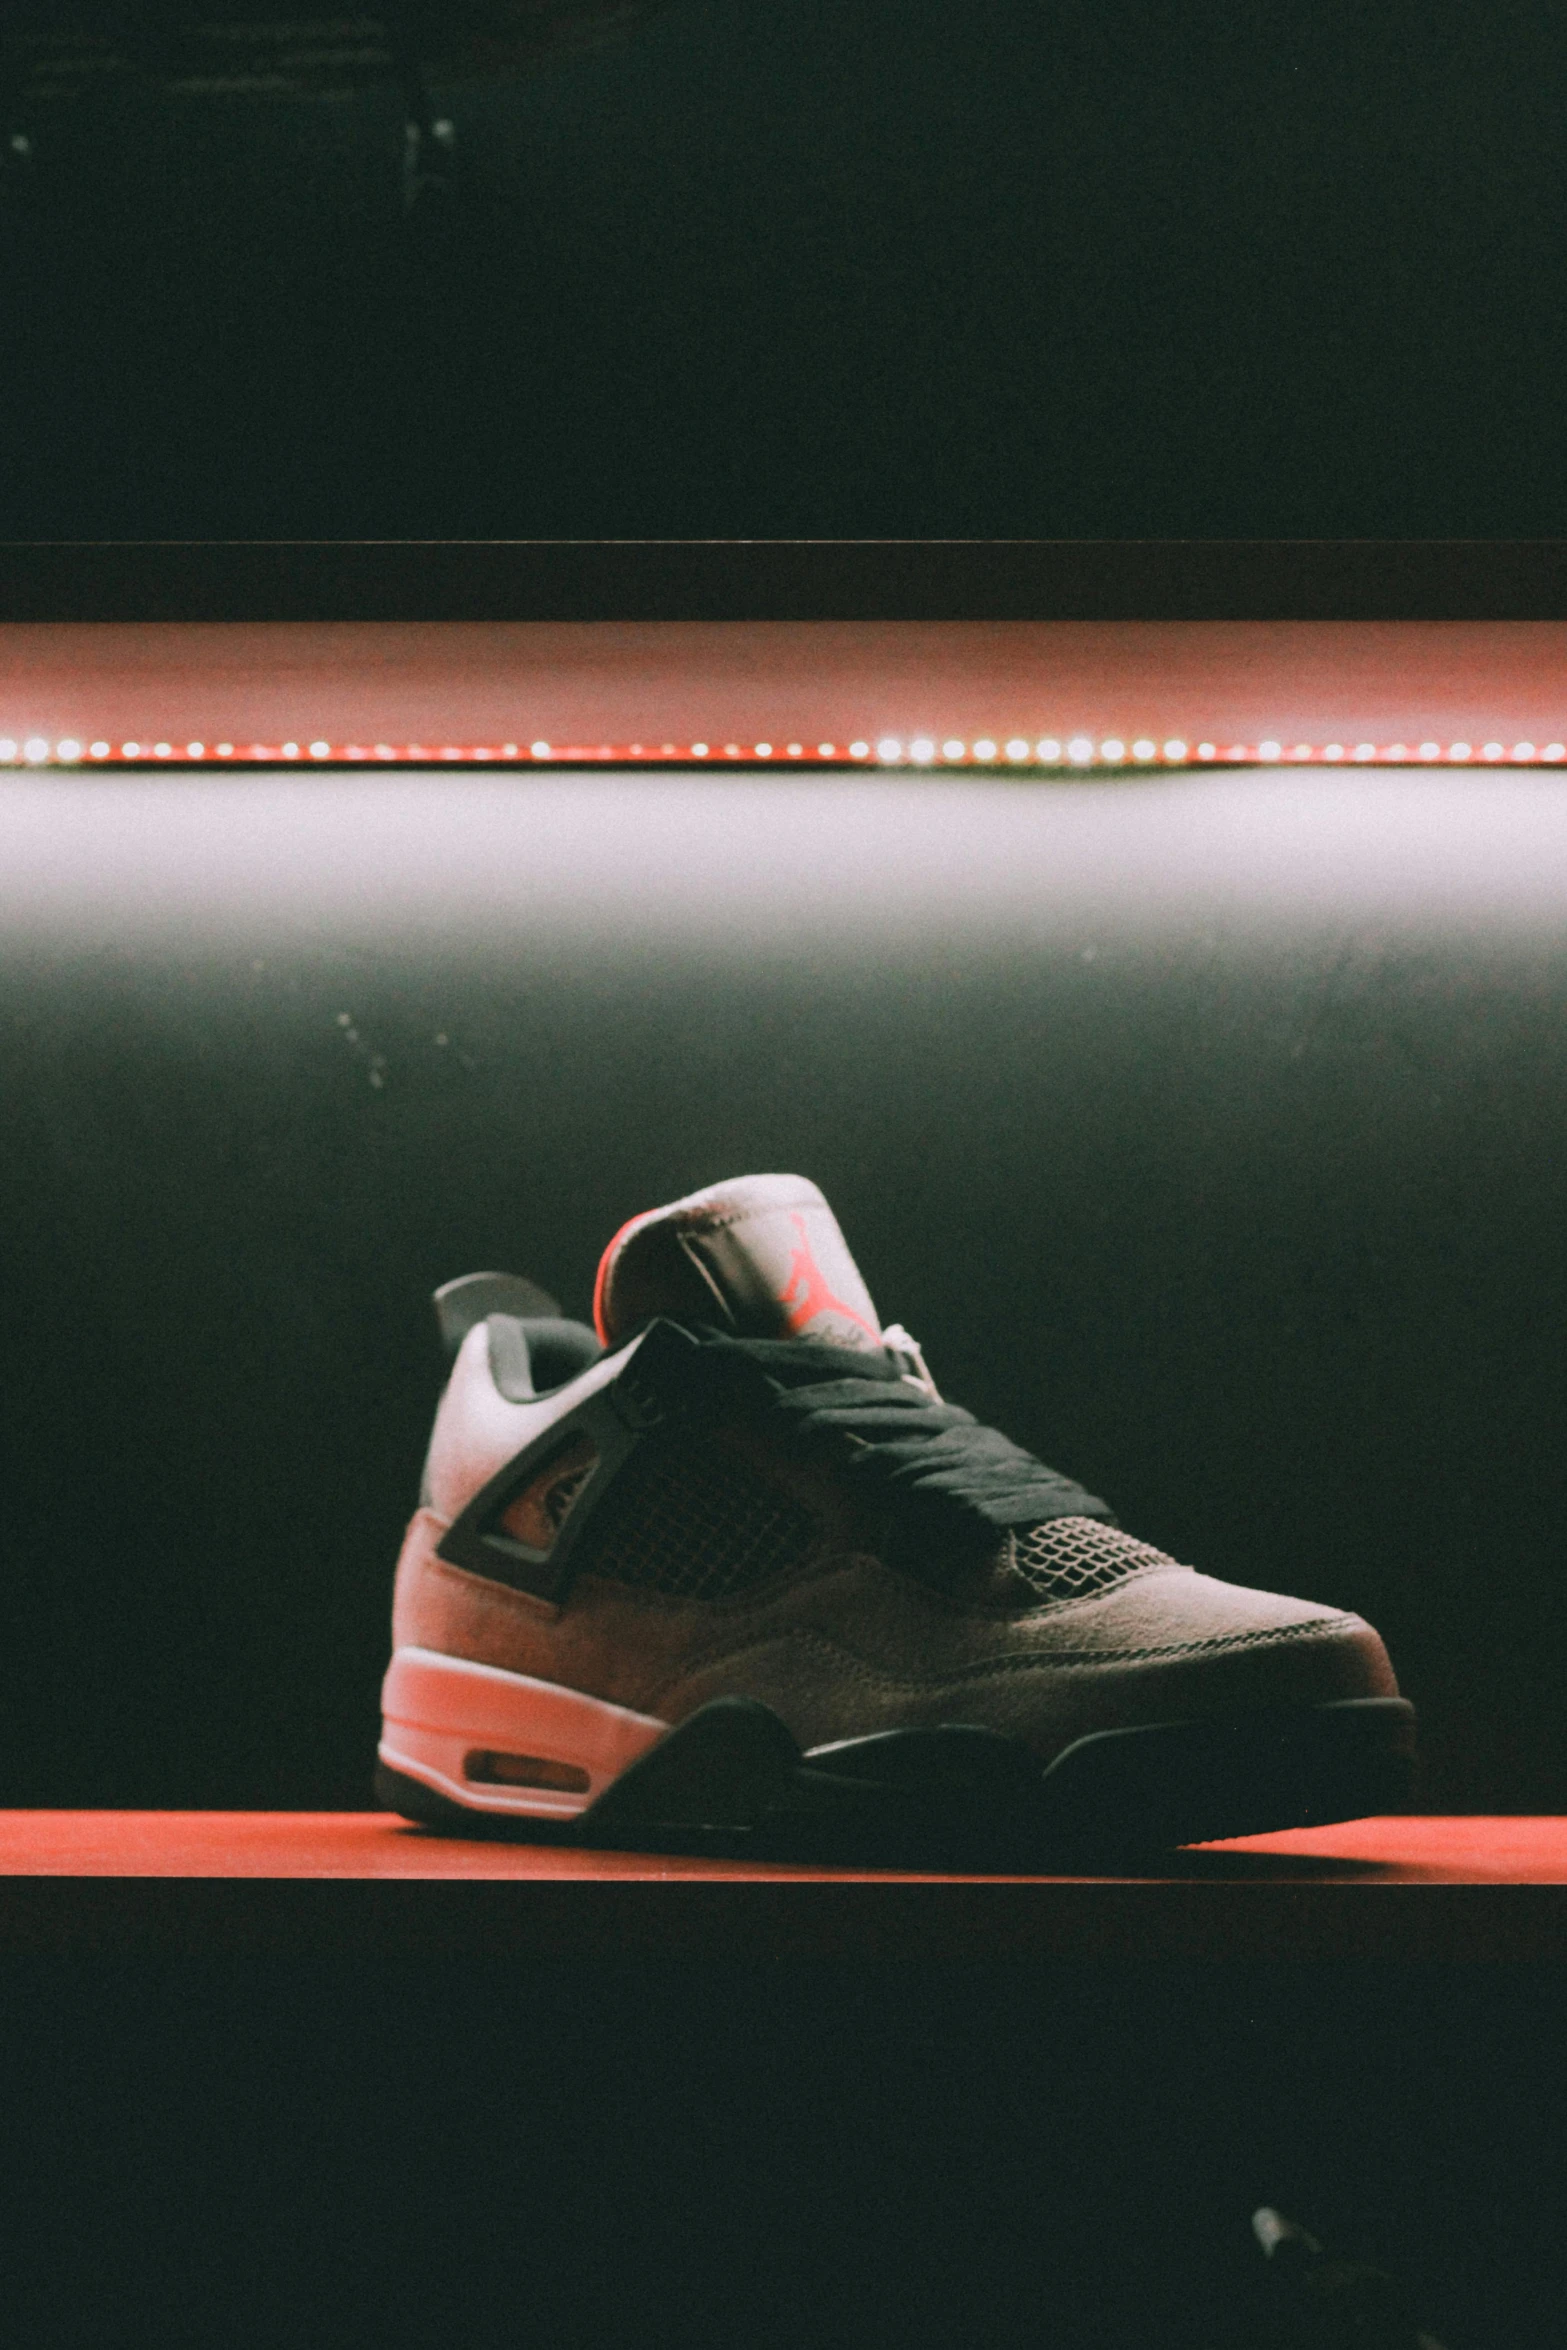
x,y
848,1647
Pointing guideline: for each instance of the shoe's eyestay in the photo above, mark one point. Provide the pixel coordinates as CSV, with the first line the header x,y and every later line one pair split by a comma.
x,y
941,1480
941,1470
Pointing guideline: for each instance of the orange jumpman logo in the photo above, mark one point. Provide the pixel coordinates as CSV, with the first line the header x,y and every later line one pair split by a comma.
x,y
807,1277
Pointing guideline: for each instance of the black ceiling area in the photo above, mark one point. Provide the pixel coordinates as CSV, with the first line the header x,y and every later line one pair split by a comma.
x,y
819,268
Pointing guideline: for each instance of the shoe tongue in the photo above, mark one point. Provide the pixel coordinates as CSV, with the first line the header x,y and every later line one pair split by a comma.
x,y
762,1257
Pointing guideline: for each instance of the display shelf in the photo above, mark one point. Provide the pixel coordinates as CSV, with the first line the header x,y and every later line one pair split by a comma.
x,y
1412,1889
996,702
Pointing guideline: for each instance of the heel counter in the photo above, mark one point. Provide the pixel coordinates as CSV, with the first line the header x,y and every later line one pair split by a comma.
x,y
410,1600
476,1429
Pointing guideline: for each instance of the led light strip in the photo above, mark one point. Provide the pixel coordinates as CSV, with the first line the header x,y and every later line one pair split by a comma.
x,y
1073,752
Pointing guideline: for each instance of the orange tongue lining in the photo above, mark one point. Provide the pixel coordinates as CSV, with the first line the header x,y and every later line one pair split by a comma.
x,y
601,1280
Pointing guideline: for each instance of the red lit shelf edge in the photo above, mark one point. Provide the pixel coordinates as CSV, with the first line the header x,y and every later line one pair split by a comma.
x,y
112,1885
1060,754
313,1846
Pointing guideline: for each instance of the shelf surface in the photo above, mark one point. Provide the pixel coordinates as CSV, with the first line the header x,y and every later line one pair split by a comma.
x,y
1433,1889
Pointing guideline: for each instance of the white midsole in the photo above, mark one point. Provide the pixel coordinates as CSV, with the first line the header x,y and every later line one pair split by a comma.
x,y
436,1711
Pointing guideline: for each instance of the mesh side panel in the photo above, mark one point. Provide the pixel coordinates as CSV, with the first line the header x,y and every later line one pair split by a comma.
x,y
1065,1557
684,1520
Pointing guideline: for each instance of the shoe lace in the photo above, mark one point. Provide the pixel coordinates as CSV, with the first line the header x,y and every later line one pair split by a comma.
x,y
885,1427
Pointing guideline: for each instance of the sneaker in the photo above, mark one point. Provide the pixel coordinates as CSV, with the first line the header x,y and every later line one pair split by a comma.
x,y
726,1570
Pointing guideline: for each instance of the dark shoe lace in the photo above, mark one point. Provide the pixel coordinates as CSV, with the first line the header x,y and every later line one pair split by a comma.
x,y
940,1472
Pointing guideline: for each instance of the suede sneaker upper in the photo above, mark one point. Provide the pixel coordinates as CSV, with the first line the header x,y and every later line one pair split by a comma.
x,y
749,1488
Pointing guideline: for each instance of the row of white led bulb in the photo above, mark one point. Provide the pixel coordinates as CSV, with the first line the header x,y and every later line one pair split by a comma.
x,y
1079,752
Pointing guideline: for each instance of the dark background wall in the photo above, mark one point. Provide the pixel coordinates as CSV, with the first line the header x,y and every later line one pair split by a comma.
x,y
825,268
1208,1130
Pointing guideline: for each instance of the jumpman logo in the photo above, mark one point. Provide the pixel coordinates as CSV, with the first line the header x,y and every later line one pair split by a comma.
x,y
806,1293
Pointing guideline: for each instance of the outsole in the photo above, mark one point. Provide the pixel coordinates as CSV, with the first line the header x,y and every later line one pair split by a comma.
x,y
731,1781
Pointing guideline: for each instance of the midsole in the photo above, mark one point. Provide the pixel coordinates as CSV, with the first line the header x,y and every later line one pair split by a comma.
x,y
463,1729
503,1743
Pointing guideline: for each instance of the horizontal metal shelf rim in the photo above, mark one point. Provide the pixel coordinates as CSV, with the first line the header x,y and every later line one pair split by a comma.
x,y
785,579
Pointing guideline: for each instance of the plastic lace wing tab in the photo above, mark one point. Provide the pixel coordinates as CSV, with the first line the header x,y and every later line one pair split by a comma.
x,y
523,1528
660,1376
473,1298
728,1766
